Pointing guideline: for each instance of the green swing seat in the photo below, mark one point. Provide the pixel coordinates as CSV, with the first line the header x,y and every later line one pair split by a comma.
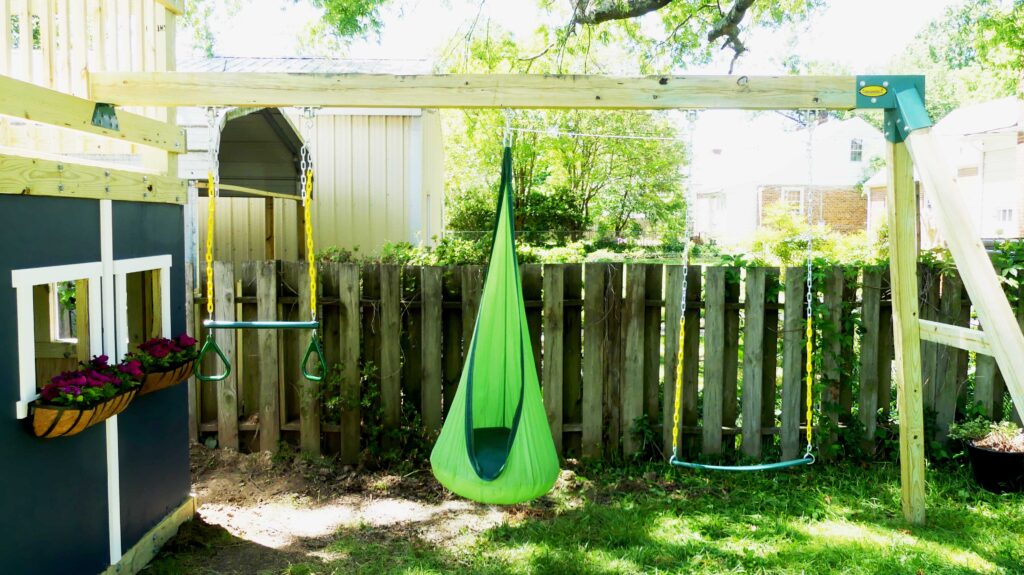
x,y
496,445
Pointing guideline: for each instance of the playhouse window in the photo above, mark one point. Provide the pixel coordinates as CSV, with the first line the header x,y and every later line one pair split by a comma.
x,y
856,150
143,306
59,318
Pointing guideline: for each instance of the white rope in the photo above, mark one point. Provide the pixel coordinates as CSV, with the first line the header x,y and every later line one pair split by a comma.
x,y
559,133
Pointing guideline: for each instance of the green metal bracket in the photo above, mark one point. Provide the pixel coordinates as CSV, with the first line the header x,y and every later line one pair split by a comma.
x,y
902,98
105,116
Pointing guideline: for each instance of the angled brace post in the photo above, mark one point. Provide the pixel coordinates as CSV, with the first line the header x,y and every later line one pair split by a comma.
x,y
904,105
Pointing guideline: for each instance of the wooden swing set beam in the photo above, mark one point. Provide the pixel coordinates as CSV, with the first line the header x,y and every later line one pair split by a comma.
x,y
474,91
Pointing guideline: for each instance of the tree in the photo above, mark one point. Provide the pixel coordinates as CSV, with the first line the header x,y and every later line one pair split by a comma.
x,y
567,184
691,27
341,20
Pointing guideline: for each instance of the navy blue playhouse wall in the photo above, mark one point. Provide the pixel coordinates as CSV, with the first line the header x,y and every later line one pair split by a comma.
x,y
53,493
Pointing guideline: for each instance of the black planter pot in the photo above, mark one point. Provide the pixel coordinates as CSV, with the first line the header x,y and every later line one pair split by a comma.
x,y
996,471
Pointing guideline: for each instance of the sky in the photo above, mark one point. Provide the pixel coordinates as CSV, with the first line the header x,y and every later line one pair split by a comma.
x,y
862,35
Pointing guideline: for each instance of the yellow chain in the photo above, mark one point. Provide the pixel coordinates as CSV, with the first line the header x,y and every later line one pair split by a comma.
x,y
210,211
679,388
310,256
810,381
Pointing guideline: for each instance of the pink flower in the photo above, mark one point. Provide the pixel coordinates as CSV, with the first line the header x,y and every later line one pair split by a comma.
x,y
184,340
132,367
99,361
158,351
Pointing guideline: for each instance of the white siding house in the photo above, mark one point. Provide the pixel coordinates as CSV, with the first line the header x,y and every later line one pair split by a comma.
x,y
984,150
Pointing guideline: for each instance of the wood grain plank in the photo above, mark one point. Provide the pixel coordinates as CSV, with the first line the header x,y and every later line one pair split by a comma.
x,y
431,391
714,359
594,325
554,337
269,394
633,370
753,361
793,350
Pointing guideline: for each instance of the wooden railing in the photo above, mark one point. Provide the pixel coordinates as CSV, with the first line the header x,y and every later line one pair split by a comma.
x,y
605,338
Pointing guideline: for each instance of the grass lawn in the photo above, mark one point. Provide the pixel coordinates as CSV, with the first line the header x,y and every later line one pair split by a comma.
x,y
823,519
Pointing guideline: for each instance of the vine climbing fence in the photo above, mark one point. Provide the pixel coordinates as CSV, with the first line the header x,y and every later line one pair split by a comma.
x,y
605,336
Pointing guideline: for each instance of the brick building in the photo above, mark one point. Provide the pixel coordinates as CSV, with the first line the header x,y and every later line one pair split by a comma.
x,y
741,171
843,209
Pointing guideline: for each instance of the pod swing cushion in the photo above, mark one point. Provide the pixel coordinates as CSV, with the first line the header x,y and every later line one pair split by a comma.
x,y
495,445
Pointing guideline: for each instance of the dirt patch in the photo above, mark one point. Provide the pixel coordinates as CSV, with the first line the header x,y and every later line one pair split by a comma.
x,y
263,512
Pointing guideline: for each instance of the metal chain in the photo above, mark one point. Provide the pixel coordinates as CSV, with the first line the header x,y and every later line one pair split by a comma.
x,y
212,191
306,164
811,117
691,117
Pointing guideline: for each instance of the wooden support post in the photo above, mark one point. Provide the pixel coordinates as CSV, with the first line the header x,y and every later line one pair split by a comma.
x,y
902,206
979,277
554,335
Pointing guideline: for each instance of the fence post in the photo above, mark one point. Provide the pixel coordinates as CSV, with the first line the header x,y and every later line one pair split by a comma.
x,y
554,324
266,309
633,373
793,361
673,354
430,398
390,345
349,320
753,361
594,327
714,360
227,390
869,348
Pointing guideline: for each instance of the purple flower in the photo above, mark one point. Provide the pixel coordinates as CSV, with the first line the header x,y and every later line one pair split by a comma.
x,y
159,351
99,361
184,340
132,367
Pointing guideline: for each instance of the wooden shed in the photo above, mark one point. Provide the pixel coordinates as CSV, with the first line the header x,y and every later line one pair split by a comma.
x,y
379,172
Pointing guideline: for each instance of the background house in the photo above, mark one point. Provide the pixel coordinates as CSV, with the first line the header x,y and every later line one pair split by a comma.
x,y
984,147
739,174
380,172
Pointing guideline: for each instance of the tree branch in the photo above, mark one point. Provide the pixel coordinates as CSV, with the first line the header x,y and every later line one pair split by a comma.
x,y
728,27
597,11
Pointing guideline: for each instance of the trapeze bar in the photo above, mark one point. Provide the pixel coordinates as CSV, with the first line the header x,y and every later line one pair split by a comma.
x,y
208,324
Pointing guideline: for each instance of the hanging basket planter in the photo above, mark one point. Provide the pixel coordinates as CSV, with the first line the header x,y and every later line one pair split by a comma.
x,y
165,362
162,379
49,421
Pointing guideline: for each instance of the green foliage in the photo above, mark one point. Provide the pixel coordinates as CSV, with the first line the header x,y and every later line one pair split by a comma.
x,y
981,428
782,240
66,295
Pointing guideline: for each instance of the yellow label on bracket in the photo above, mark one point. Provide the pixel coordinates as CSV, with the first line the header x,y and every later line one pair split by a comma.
x,y
873,91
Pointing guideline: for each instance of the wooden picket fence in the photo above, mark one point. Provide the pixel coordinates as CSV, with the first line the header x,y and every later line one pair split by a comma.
x,y
605,336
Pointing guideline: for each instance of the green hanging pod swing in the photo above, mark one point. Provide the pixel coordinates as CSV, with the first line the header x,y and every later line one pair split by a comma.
x,y
495,445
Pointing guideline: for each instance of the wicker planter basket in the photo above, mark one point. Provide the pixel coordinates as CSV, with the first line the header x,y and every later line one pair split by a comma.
x,y
158,380
49,421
